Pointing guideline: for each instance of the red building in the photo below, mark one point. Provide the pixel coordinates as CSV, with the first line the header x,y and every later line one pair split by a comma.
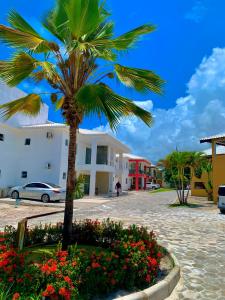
x,y
139,172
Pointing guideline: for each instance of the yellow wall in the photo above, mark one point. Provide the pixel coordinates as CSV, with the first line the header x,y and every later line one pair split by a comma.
x,y
218,174
102,182
199,192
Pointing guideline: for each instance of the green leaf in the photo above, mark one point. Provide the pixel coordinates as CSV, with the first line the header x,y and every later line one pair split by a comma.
x,y
23,40
28,105
18,22
128,39
83,16
59,103
100,99
141,80
17,69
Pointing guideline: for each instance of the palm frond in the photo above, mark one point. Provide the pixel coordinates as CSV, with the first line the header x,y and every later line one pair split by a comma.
x,y
128,39
141,80
59,103
23,40
19,23
83,16
17,69
28,105
102,100
49,70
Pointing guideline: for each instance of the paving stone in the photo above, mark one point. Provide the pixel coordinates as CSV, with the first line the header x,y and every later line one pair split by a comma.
x,y
196,235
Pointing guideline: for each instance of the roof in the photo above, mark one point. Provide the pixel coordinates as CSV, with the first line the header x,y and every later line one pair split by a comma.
x,y
121,147
135,157
219,138
219,150
46,125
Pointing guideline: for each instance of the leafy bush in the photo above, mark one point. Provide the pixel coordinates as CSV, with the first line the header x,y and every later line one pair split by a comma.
x,y
128,258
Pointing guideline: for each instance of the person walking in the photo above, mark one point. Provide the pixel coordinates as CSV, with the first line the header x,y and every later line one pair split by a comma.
x,y
118,188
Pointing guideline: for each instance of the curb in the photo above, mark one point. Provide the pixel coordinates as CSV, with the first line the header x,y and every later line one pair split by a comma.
x,y
161,290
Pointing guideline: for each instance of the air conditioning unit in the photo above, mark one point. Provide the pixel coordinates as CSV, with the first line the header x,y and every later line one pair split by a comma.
x,y
48,166
49,135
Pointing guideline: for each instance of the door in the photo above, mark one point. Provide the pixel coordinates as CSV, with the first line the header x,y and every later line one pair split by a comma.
x,y
26,191
86,184
38,190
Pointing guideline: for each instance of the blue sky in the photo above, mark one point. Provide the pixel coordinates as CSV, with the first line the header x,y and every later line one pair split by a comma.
x,y
188,31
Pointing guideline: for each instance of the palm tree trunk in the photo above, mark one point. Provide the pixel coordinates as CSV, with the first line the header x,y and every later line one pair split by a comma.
x,y
71,181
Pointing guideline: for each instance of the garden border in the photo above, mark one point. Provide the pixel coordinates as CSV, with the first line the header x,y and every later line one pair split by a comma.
x,y
162,289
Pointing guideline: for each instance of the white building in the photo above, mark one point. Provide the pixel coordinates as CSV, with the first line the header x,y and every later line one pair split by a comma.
x,y
35,149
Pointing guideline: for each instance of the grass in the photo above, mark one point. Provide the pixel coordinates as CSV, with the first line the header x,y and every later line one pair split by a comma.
x,y
161,190
36,254
188,205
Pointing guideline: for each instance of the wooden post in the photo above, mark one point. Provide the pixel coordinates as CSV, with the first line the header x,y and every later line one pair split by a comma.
x,y
21,233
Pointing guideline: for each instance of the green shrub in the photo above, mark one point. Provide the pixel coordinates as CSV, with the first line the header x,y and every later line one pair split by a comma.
x,y
125,258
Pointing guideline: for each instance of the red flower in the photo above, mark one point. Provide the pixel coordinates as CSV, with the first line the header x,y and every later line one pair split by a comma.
x,y
49,290
95,265
19,280
10,279
68,280
148,278
16,296
113,281
65,293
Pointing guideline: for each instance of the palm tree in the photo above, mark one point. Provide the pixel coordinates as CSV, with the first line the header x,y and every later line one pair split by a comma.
x,y
82,36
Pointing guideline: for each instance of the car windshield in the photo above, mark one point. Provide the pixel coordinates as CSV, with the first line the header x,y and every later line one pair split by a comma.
x,y
53,185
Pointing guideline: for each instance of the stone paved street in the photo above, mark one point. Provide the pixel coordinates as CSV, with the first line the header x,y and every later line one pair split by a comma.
x,y
195,235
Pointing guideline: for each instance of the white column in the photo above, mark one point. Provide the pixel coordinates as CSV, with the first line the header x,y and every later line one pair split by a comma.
x,y
92,183
93,153
109,156
93,168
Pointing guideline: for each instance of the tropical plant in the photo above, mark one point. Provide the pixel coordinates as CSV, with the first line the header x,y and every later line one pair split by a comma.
x,y
180,167
72,65
79,188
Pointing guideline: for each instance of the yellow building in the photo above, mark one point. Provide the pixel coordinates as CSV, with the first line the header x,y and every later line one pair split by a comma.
x,y
217,155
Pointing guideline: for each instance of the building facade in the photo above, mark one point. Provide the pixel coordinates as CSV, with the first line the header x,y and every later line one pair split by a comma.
x,y
139,172
35,149
217,157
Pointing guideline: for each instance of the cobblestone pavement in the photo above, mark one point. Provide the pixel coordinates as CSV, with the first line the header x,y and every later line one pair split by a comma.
x,y
196,236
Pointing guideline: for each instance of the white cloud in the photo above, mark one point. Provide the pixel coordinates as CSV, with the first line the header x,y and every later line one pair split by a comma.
x,y
197,12
199,114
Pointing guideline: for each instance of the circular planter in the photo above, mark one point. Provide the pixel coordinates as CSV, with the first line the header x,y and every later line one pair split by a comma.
x,y
162,289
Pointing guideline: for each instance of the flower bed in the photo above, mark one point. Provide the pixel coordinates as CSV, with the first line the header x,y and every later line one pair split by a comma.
x,y
125,258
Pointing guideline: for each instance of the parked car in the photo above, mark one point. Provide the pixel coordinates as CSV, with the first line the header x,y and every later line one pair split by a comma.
x,y
221,198
45,192
152,186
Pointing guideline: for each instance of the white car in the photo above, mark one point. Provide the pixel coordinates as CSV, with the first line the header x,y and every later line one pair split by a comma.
x,y
45,192
221,198
152,186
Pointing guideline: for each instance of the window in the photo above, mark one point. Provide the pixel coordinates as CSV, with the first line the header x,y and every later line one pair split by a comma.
x,y
24,174
102,155
221,191
66,143
199,186
64,175
30,185
88,156
27,142
126,180
41,186
1,137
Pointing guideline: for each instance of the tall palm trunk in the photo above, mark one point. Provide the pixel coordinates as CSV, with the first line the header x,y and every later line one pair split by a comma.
x,y
71,181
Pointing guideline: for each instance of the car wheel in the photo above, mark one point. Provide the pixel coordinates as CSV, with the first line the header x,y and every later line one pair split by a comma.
x,y
222,211
15,195
45,198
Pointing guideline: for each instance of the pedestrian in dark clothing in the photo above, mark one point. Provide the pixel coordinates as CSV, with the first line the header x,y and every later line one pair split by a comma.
x,y
118,187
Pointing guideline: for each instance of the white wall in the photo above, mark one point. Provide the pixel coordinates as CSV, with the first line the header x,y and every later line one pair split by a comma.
x,y
8,156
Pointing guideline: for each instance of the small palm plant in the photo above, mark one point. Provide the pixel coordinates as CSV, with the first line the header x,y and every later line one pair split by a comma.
x,y
82,36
